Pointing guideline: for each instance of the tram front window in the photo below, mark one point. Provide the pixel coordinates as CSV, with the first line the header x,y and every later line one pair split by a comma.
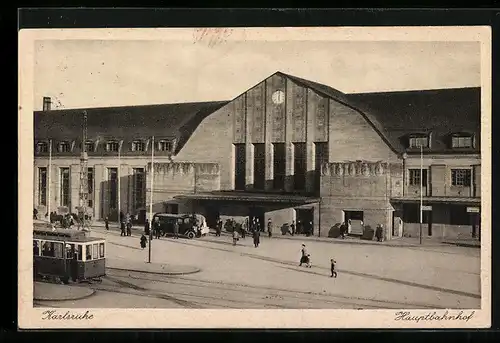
x,y
36,248
48,249
70,251
80,252
101,250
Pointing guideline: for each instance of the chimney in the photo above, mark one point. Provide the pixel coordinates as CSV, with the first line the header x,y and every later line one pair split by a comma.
x,y
47,103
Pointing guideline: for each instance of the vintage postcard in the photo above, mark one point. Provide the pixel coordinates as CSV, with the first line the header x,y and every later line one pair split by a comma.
x,y
255,178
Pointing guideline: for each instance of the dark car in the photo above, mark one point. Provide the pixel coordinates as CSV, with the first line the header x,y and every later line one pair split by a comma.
x,y
187,225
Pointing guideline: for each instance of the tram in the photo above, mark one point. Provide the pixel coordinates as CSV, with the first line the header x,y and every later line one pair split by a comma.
x,y
68,254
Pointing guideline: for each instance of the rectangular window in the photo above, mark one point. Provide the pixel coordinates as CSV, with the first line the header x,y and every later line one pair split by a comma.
x,y
113,188
90,183
279,165
259,166
139,190
89,146
48,249
138,146
321,157
461,142
70,248
65,187
64,147
411,214
417,142
36,248
58,250
164,145
239,166
95,252
101,250
112,146
88,252
461,177
415,177
299,166
42,147
42,186
80,253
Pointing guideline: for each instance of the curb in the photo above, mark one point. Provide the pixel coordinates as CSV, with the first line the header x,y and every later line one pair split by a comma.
x,y
93,291
197,270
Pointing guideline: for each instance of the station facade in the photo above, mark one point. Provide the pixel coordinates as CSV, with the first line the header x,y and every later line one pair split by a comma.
x,y
286,149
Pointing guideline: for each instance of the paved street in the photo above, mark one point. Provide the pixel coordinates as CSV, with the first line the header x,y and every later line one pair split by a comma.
x,y
242,276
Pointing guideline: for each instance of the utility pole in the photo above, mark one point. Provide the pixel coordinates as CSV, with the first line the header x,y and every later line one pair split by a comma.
x,y
50,181
151,226
421,189
84,181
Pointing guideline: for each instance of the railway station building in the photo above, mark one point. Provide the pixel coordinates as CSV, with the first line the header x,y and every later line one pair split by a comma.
x,y
286,149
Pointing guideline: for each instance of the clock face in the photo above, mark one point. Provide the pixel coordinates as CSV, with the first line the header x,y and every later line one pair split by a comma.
x,y
278,97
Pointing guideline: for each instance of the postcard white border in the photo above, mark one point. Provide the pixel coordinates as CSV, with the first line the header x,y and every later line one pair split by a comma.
x,y
31,318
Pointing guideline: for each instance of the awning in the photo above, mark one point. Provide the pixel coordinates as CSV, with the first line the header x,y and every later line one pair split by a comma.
x,y
250,197
441,200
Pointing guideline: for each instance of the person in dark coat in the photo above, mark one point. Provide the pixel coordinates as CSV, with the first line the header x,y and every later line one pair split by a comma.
x,y
143,241
292,228
270,228
122,228
303,258
379,232
35,213
176,229
146,227
332,268
218,228
244,228
122,217
106,223
157,230
256,238
343,230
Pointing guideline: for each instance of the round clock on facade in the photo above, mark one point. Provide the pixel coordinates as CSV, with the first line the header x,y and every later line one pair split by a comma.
x,y
278,97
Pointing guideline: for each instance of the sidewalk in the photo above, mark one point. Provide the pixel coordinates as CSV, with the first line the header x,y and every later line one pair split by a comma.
x,y
53,292
395,242
151,268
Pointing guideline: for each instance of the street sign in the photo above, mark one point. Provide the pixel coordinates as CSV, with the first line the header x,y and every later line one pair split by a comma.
x,y
426,208
473,209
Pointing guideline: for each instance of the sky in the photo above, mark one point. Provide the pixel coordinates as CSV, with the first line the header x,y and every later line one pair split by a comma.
x,y
101,73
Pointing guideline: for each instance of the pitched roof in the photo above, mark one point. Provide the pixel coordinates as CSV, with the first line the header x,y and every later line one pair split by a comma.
x,y
126,122
395,115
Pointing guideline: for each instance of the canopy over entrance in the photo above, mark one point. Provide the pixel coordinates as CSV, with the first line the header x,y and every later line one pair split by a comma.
x,y
250,197
441,200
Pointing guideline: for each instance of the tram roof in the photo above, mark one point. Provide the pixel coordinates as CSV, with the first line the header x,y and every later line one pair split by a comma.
x,y
72,235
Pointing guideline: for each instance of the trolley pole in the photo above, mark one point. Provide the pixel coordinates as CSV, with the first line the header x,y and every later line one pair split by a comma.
x,y
421,189
118,175
151,197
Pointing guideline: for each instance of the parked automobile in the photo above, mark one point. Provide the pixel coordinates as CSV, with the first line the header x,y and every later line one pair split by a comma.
x,y
190,225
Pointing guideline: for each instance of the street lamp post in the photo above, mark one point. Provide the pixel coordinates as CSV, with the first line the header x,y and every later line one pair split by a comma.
x,y
421,189
118,175
151,197
49,177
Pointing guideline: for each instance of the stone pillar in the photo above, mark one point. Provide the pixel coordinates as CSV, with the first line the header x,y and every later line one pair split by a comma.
x,y
98,183
248,149
36,191
310,151
267,139
289,138
74,181
53,183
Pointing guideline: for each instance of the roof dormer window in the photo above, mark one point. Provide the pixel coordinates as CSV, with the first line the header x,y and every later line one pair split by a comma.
x,y
112,146
138,145
164,145
89,146
419,140
64,147
462,140
42,147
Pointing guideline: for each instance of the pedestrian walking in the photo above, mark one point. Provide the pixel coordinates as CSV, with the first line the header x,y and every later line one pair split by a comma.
x,y
146,227
343,230
256,238
106,223
292,228
269,228
218,228
122,229
176,229
308,261
379,232
244,228
303,258
129,229
235,237
332,268
143,241
122,217
157,228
